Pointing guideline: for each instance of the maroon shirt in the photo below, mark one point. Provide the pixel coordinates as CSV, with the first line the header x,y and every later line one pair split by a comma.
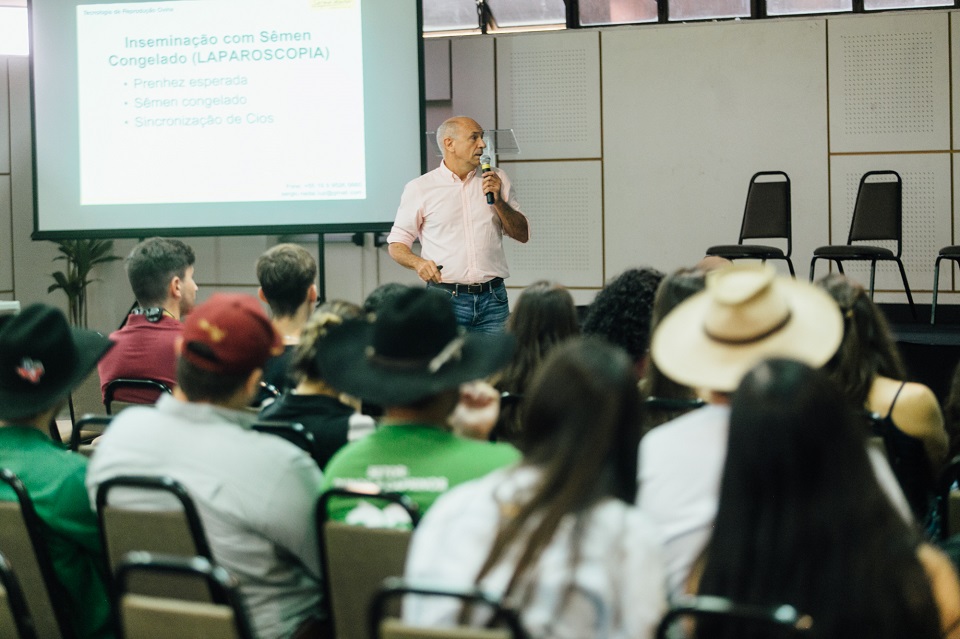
x,y
143,350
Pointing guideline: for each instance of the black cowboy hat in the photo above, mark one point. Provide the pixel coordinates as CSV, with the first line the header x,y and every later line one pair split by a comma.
x,y
414,349
42,359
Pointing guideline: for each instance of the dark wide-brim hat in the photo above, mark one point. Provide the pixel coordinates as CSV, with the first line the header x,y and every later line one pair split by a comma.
x,y
414,349
42,359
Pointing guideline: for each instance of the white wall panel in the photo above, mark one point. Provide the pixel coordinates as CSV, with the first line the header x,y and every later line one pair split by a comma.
x,y
889,82
6,241
4,118
563,203
690,112
548,92
926,218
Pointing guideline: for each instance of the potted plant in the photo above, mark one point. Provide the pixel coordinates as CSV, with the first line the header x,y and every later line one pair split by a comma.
x,y
81,257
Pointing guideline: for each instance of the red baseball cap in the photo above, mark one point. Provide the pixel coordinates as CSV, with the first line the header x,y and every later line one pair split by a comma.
x,y
229,333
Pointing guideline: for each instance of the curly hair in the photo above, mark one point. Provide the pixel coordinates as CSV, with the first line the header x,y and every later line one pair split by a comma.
x,y
304,362
621,312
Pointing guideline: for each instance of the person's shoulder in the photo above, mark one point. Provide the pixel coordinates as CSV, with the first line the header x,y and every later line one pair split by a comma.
x,y
706,417
499,451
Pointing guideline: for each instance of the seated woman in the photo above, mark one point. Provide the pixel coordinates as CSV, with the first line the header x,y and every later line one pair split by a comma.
x,y
802,521
543,317
664,398
556,537
313,402
868,370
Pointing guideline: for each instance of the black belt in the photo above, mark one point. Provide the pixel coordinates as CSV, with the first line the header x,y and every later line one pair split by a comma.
x,y
475,289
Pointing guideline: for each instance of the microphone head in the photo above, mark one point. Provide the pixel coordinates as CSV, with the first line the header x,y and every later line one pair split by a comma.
x,y
485,162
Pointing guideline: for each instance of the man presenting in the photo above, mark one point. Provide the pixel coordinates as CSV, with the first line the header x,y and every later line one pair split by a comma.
x,y
461,233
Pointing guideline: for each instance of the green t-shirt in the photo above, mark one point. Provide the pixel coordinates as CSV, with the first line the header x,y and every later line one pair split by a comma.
x,y
417,460
54,479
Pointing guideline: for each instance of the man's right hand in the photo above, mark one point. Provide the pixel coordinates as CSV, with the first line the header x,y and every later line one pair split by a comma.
x,y
428,271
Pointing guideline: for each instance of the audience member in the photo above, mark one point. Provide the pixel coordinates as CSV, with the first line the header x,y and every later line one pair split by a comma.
x,y
708,342
621,313
665,398
802,521
380,295
313,402
869,371
288,284
411,360
160,271
255,493
555,537
544,316
951,414
41,361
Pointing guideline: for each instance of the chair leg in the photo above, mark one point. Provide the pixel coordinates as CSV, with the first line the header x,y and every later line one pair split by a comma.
x,y
840,267
906,287
793,273
936,286
813,264
873,276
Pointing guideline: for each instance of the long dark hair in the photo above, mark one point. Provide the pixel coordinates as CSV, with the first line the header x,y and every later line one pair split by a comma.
x,y
544,316
803,521
581,430
868,348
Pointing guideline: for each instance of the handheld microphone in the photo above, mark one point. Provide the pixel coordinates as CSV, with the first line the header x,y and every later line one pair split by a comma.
x,y
484,167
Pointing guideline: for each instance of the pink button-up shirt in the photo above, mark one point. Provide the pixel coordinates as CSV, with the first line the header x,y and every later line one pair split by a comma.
x,y
456,227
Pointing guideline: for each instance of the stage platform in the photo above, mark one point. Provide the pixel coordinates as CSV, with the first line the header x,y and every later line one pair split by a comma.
x,y
930,352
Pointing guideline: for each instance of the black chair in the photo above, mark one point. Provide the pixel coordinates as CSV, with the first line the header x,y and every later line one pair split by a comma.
x,y
356,560
22,541
151,617
946,253
294,433
948,499
110,390
15,620
766,215
95,424
877,215
504,621
176,530
712,608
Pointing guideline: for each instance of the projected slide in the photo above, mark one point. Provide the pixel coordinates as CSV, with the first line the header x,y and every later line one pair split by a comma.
x,y
220,101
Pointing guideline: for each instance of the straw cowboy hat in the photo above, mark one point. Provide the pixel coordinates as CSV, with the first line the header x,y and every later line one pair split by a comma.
x,y
414,349
746,314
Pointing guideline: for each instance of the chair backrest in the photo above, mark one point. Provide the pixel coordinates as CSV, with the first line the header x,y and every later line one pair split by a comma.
x,y
784,618
175,531
294,433
22,541
357,559
87,424
15,620
948,498
151,617
878,212
505,624
767,211
110,390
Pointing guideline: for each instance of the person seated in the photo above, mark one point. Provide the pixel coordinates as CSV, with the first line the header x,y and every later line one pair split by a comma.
x,y
802,520
288,284
161,272
869,370
666,399
41,361
556,536
314,403
255,493
411,360
746,314
544,316
621,313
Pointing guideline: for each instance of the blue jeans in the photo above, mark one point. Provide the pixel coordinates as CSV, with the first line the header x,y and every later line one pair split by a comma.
x,y
482,312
